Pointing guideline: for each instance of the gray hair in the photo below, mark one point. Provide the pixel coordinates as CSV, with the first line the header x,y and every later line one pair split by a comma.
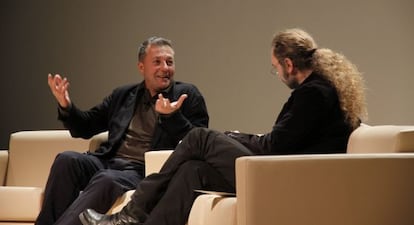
x,y
157,41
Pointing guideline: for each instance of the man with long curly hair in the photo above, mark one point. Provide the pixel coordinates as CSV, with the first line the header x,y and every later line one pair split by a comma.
x,y
327,103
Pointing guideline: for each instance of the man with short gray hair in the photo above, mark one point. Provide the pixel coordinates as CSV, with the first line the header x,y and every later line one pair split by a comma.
x,y
151,115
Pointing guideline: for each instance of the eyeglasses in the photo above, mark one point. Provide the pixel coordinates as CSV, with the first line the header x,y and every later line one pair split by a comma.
x,y
273,71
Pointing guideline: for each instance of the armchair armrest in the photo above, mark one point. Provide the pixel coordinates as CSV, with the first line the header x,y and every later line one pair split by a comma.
x,y
341,189
153,163
155,159
4,159
97,140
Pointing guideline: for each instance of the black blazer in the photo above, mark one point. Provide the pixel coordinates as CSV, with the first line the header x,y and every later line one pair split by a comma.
x,y
116,111
311,121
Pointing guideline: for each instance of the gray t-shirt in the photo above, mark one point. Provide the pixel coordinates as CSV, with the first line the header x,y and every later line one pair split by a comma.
x,y
140,132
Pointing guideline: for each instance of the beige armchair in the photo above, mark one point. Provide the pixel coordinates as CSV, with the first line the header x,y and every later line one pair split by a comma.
x,y
373,187
25,166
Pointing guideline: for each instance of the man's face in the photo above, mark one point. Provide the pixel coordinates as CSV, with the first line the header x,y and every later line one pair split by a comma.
x,y
158,68
284,73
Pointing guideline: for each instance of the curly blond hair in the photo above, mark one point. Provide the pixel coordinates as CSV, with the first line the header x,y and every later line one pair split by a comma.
x,y
347,80
300,47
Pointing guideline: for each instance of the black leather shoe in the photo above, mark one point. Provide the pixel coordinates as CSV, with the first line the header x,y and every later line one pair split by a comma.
x,y
91,217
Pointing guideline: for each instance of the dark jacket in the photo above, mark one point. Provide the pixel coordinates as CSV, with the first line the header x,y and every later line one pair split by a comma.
x,y
116,111
311,121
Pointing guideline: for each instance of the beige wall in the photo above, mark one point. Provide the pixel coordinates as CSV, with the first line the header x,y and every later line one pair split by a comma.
x,y
221,46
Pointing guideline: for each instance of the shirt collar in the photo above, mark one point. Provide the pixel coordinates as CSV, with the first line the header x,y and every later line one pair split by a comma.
x,y
147,95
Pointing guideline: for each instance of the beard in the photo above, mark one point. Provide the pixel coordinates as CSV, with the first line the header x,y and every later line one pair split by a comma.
x,y
289,79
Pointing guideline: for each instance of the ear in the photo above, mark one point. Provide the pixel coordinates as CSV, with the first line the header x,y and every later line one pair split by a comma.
x,y
289,65
140,66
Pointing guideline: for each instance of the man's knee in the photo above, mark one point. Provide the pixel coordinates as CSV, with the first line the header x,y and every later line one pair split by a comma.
x,y
104,178
106,182
204,174
192,166
196,169
202,134
197,131
66,158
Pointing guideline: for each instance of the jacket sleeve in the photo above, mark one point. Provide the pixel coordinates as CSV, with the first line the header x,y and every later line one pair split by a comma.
x,y
302,124
254,142
294,128
87,123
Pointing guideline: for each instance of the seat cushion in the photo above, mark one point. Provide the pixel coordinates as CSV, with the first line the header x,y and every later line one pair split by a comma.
x,y
121,202
210,209
20,203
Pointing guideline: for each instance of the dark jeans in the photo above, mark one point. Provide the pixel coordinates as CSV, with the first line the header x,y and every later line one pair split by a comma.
x,y
205,159
79,181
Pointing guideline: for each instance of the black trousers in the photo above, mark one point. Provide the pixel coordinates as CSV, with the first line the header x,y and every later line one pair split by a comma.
x,y
79,181
205,159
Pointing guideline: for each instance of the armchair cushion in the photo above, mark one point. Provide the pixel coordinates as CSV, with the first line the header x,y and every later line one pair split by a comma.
x,y
210,209
20,203
120,202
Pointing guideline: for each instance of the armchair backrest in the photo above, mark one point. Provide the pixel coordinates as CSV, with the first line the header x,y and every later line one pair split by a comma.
x,y
31,154
381,139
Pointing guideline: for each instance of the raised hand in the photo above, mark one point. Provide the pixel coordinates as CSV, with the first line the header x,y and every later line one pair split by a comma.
x,y
164,106
59,87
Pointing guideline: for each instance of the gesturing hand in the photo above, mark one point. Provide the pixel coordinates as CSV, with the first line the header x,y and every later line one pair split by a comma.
x,y
164,106
59,88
